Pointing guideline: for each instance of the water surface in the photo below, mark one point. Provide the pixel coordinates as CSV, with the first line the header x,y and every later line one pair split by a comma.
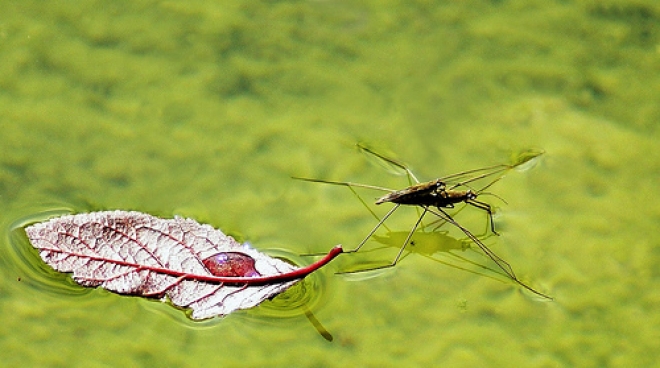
x,y
205,110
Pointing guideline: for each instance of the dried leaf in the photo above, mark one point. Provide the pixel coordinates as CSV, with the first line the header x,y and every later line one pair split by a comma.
x,y
194,266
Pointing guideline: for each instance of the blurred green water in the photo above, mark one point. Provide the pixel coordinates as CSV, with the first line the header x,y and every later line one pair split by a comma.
x,y
206,110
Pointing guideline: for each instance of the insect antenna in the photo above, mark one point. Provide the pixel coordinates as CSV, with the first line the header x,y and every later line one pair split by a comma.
x,y
494,195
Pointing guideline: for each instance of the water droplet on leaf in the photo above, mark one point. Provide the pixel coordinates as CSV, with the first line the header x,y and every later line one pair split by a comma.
x,y
231,264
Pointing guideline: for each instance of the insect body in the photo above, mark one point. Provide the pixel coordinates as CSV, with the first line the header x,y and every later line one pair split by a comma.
x,y
434,194
437,195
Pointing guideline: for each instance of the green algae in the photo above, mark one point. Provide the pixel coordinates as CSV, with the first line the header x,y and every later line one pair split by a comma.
x,y
206,110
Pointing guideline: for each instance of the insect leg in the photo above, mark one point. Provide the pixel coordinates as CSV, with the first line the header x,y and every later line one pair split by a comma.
x,y
351,186
465,177
486,207
390,161
411,176
502,264
405,242
367,207
410,234
344,183
469,176
374,229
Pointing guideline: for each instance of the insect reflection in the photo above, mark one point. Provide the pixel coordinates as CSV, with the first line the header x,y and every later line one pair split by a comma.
x,y
435,197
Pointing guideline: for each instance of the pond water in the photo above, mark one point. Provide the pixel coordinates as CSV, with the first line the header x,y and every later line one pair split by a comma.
x,y
207,110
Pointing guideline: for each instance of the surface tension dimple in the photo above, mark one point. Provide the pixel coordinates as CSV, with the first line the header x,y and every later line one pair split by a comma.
x,y
231,264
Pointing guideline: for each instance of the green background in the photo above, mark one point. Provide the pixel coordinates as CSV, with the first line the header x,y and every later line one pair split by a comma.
x,y
205,109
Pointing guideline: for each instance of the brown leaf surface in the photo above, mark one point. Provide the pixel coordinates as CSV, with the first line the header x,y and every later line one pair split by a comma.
x,y
194,266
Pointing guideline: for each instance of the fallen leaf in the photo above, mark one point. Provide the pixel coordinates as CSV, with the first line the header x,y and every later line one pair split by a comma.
x,y
192,265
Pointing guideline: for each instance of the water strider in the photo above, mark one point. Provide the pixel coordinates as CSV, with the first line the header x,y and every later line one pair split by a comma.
x,y
437,195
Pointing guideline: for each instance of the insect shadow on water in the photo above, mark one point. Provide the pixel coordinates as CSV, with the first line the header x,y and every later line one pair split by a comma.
x,y
435,197
427,244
